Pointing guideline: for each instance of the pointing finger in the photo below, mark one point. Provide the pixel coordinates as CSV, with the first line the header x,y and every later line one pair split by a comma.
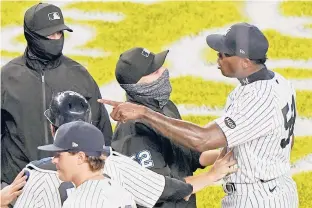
x,y
109,102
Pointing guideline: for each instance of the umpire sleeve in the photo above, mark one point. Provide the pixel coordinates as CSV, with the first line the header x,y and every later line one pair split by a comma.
x,y
102,120
195,160
175,190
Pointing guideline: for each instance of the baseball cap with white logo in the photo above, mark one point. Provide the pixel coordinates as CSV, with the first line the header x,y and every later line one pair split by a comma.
x,y
137,62
78,136
45,19
243,40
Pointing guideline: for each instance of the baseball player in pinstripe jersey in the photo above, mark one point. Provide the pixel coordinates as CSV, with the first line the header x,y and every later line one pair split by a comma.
x,y
44,188
258,123
79,154
79,150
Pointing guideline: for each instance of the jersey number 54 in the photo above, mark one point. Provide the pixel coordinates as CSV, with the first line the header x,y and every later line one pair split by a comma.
x,y
289,124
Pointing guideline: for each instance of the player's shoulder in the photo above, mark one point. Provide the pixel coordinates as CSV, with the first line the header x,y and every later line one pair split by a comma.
x,y
44,165
281,80
112,187
261,88
72,63
13,68
118,163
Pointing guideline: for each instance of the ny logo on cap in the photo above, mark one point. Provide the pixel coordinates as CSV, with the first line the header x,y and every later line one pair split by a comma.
x,y
74,144
54,16
145,52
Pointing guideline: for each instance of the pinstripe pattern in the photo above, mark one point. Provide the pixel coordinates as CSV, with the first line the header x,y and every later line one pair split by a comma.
x,y
99,194
145,185
259,196
255,130
40,190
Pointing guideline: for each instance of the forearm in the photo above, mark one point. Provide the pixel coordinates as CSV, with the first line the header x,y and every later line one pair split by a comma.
x,y
208,157
180,131
183,132
200,181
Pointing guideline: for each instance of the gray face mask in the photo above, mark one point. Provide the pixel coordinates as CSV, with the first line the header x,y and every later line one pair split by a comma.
x,y
159,89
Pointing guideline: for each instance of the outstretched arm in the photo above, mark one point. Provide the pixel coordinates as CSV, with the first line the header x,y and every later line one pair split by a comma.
x,y
183,132
186,133
224,165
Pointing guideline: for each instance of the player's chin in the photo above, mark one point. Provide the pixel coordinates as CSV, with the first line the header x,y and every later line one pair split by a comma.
x,y
61,175
226,73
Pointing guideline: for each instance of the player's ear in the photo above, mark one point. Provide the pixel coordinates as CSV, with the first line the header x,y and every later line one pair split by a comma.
x,y
245,63
81,158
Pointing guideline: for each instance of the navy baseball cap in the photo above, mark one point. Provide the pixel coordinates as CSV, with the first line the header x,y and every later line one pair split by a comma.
x,y
243,40
78,136
137,62
45,19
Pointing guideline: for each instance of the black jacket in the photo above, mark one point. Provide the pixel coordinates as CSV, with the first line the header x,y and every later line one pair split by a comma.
x,y
156,152
25,94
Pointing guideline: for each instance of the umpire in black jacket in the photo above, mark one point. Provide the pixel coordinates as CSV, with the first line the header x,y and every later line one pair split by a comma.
x,y
140,73
28,83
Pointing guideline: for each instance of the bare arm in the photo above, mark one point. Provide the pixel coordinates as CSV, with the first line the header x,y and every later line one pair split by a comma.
x,y
208,157
183,132
186,133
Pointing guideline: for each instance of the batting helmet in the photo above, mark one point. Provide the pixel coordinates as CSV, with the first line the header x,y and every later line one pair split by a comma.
x,y
68,106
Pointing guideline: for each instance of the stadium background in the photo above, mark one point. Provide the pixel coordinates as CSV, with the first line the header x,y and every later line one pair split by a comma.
x,y
102,30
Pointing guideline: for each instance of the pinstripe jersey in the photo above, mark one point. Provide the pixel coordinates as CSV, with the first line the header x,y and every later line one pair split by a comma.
x,y
145,185
258,124
41,189
99,194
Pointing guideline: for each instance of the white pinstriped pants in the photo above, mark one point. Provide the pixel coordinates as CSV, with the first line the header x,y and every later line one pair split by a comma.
x,y
264,195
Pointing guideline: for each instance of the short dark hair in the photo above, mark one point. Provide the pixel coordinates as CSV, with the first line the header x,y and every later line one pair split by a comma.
x,y
259,61
95,163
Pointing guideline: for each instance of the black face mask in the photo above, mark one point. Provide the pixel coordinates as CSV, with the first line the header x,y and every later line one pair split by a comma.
x,y
43,48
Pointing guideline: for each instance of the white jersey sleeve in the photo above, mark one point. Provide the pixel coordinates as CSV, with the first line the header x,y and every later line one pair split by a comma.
x,y
248,116
145,186
41,190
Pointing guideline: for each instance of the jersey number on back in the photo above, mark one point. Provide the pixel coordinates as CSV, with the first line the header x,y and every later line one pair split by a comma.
x,y
144,158
289,124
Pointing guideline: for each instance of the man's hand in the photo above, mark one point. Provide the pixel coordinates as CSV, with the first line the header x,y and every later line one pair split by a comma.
x,y
124,111
224,165
12,191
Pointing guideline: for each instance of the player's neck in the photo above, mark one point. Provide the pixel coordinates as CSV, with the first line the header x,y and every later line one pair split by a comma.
x,y
252,70
89,175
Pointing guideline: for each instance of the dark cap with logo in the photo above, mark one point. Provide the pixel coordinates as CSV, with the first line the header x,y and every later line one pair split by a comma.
x,y
45,19
136,63
243,40
78,136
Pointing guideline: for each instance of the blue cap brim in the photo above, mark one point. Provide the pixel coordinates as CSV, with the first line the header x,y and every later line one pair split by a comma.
x,y
51,148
